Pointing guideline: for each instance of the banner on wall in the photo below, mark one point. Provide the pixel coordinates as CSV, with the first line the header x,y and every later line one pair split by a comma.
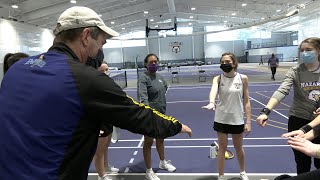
x,y
175,46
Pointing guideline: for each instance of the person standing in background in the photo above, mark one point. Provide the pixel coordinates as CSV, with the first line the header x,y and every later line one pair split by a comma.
x,y
273,63
152,92
10,59
100,158
261,61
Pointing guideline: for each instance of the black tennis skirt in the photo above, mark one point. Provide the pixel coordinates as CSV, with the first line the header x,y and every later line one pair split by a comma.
x,y
228,129
108,129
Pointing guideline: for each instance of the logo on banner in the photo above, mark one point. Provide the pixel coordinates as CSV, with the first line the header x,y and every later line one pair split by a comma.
x,y
175,46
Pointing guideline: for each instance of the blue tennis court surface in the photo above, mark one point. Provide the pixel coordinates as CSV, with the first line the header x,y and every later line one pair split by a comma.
x,y
266,151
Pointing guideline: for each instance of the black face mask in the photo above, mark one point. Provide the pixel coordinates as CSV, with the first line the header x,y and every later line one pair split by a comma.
x,y
97,61
226,67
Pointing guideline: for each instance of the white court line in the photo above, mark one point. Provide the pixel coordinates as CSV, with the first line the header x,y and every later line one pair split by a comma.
x,y
131,160
135,153
203,139
198,174
125,171
178,147
272,110
175,102
140,142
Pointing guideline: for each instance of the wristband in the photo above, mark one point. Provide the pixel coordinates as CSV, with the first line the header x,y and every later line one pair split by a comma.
x,y
306,128
316,130
265,111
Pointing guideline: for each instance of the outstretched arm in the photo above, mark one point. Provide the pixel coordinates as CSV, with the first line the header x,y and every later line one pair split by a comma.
x,y
213,93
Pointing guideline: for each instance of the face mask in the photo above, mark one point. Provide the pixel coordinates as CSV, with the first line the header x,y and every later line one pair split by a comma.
x,y
226,67
308,57
97,61
153,67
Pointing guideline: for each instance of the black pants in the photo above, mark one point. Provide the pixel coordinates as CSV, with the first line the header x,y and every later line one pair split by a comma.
x,y
303,162
313,175
273,71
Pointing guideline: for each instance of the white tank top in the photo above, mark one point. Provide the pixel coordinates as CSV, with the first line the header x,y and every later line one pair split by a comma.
x,y
229,109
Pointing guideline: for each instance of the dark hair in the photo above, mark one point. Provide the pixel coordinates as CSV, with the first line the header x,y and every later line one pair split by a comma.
x,y
147,57
71,34
13,58
5,62
233,58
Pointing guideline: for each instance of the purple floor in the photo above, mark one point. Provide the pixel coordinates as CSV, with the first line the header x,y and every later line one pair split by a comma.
x,y
265,151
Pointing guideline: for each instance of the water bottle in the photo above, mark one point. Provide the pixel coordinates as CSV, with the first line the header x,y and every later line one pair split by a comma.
x,y
213,151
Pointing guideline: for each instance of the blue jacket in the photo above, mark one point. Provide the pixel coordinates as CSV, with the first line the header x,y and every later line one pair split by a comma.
x,y
51,110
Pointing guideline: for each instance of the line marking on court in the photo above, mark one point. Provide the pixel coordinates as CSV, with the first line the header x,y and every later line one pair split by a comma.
x,y
270,97
135,153
131,160
178,147
126,170
203,139
175,102
272,110
198,174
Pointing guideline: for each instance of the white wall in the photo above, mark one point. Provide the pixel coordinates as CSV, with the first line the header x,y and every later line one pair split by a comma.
x,y
19,37
216,49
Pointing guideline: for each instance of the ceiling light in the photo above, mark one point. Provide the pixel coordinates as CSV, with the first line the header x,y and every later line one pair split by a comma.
x,y
123,28
191,17
15,6
278,10
100,15
112,22
244,4
193,8
262,18
73,1
145,12
151,20
233,14
190,24
156,26
225,21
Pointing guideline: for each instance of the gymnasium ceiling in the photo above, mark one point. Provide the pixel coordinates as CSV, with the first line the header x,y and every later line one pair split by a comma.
x,y
130,15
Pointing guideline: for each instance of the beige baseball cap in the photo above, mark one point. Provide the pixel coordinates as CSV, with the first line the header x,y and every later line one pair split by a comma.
x,y
77,17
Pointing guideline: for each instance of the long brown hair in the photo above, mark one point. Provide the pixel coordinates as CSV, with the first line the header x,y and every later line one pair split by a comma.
x,y
233,58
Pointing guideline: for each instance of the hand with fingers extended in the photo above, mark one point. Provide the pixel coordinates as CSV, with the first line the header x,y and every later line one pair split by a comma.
x,y
186,129
209,106
299,133
262,120
304,146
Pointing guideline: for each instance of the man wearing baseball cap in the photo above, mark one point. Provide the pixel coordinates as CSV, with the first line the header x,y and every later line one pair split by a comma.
x,y
53,105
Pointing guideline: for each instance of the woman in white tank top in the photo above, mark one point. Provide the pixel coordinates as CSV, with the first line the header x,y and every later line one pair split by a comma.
x,y
233,101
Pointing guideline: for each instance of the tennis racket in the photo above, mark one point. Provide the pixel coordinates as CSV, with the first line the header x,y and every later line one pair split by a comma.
x,y
228,154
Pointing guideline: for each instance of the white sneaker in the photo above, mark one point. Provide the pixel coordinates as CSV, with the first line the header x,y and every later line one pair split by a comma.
x,y
243,176
111,169
167,166
221,178
105,177
151,175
